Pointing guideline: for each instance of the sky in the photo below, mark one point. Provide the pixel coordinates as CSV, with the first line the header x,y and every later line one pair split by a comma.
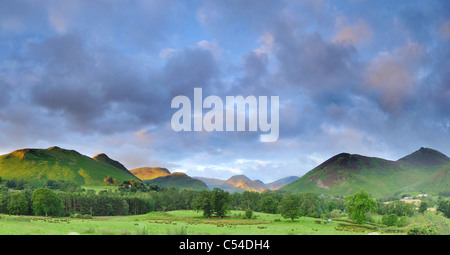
x,y
364,77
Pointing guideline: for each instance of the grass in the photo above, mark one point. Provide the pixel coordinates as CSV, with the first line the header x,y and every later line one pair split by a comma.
x,y
180,223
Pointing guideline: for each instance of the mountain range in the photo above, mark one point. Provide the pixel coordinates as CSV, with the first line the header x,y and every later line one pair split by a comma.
x,y
240,183
425,170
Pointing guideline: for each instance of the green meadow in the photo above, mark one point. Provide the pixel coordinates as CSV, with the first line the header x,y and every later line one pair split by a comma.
x,y
185,222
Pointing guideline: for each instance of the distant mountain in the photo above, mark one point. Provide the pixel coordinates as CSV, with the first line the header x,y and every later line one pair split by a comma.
x,y
54,163
282,182
241,183
425,170
217,183
236,183
179,181
148,173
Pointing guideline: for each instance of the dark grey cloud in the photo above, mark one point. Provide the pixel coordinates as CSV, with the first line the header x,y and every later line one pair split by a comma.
x,y
90,88
189,68
324,69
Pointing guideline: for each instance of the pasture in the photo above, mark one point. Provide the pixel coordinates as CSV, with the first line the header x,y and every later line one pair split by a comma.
x,y
184,222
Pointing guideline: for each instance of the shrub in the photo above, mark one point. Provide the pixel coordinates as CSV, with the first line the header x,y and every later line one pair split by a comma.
x,y
436,221
389,220
422,230
401,222
80,216
335,213
444,207
248,213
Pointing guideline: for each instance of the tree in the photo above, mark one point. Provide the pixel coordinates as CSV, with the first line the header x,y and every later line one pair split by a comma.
x,y
289,207
268,204
221,202
444,207
18,204
397,207
108,180
250,200
46,202
358,205
212,202
423,207
311,205
203,202
235,200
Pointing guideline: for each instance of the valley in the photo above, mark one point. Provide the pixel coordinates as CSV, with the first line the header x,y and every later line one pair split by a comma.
x,y
100,196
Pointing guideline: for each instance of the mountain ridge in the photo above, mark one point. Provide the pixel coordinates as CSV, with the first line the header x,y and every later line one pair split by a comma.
x,y
424,170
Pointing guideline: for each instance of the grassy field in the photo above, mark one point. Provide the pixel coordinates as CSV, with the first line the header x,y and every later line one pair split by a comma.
x,y
180,223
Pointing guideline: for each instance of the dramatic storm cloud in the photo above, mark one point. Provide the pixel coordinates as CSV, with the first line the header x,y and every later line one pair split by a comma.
x,y
366,77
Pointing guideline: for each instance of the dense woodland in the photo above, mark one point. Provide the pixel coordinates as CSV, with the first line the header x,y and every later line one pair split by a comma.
x,y
60,198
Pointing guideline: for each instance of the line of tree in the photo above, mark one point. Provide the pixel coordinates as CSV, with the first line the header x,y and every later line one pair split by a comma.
x,y
217,202
47,202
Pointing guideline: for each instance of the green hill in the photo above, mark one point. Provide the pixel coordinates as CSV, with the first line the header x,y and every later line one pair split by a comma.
x,y
39,165
425,170
179,181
